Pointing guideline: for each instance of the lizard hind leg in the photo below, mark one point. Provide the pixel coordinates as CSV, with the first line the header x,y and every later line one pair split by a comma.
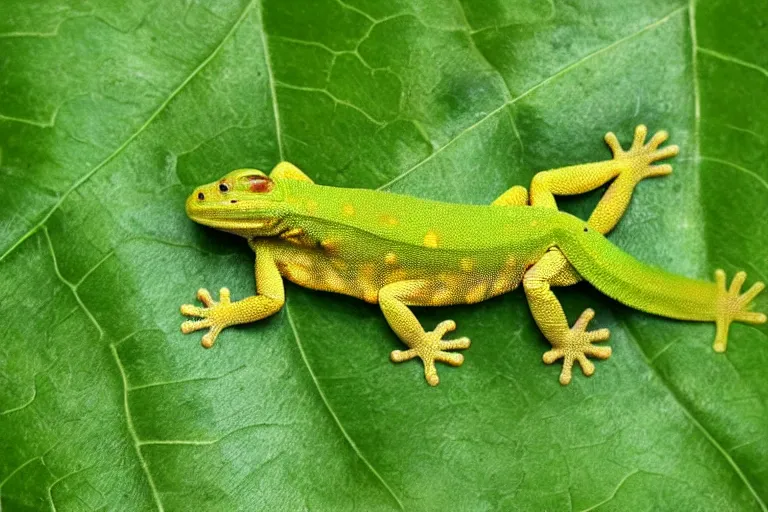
x,y
577,346
627,169
428,346
732,305
433,348
574,344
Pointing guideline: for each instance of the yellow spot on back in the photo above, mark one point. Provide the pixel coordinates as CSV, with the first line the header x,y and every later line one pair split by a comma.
x,y
449,280
293,236
293,232
467,264
348,210
297,273
311,206
431,239
510,261
330,245
366,271
476,293
500,285
333,281
389,220
390,258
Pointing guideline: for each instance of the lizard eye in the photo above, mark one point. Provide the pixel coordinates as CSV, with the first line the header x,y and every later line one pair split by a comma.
x,y
223,187
260,184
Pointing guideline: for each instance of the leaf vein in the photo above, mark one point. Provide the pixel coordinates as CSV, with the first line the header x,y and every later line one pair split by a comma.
x,y
737,167
615,491
336,100
132,430
554,76
336,419
734,60
695,72
184,381
692,419
271,78
88,175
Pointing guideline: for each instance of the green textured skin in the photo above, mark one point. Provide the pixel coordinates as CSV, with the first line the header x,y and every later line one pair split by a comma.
x,y
490,234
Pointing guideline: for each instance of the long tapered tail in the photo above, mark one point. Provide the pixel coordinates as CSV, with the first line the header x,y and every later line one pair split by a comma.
x,y
639,285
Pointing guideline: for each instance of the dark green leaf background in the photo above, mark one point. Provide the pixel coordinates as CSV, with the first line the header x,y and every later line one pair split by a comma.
x,y
111,112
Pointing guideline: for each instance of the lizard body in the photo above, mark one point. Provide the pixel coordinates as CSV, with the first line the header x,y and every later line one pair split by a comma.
x,y
401,251
388,238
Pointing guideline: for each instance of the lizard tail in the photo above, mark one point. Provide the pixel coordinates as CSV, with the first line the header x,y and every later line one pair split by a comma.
x,y
638,285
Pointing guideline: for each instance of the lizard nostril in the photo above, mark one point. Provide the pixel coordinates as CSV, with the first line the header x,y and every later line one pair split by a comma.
x,y
200,196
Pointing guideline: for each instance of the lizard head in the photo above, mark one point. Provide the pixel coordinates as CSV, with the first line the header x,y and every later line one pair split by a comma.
x,y
245,202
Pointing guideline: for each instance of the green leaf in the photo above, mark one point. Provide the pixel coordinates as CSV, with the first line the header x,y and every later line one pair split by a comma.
x,y
111,112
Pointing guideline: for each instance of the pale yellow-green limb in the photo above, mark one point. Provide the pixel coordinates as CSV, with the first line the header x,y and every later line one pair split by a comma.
x,y
568,343
628,167
732,305
288,171
216,316
515,196
394,300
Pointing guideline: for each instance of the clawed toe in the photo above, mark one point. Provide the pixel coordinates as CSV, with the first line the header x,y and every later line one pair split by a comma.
x,y
732,306
644,154
204,296
641,131
550,356
598,352
190,310
666,152
658,139
451,358
194,325
398,356
430,347
577,347
457,344
210,315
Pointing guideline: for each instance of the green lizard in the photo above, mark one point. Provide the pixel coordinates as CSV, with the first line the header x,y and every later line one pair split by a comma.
x,y
401,251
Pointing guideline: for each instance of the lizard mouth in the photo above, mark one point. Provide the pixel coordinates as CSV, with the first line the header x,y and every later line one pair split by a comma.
x,y
236,224
219,216
248,228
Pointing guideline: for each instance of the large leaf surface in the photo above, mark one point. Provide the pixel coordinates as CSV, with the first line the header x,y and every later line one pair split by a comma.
x,y
111,112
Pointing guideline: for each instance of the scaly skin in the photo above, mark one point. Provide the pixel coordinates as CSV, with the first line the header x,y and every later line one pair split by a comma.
x,y
400,251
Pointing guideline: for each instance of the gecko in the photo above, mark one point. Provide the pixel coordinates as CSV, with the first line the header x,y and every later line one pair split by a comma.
x,y
399,251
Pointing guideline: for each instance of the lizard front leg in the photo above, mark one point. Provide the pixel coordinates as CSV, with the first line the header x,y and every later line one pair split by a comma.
x,y
394,300
216,316
570,344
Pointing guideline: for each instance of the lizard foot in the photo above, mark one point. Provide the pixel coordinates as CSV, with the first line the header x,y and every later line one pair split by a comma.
x,y
641,156
577,345
431,347
216,316
732,305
